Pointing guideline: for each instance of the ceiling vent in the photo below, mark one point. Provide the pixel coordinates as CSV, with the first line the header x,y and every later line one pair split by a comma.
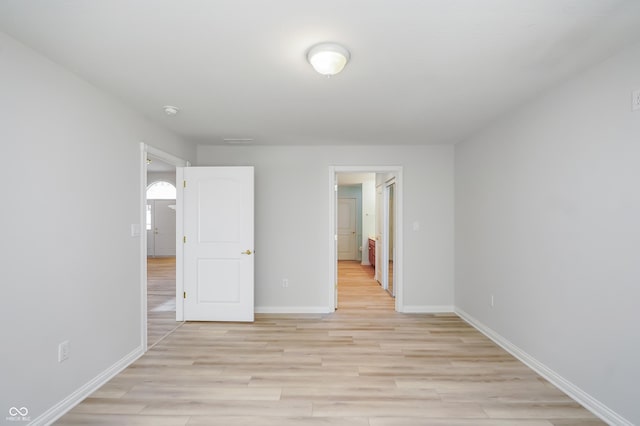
x,y
237,141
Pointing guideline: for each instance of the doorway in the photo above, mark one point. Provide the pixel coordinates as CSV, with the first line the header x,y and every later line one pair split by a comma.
x,y
371,235
158,247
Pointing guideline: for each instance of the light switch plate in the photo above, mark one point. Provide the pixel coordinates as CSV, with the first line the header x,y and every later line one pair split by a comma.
x,y
63,351
635,100
135,229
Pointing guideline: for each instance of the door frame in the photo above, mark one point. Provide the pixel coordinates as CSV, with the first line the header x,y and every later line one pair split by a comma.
x,y
386,240
397,171
146,150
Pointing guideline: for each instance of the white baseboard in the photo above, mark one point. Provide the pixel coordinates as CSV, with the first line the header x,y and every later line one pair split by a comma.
x,y
62,407
573,391
292,310
427,309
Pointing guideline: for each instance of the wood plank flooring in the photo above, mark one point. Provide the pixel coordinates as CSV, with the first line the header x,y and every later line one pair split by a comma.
x,y
358,289
363,365
161,298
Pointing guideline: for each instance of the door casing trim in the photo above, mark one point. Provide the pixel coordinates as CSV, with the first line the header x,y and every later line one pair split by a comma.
x,y
332,243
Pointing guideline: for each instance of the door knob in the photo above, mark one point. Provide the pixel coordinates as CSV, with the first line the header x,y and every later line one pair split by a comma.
x,y
246,252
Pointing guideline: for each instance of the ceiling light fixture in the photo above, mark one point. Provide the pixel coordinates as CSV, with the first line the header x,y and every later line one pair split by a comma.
x,y
328,58
170,110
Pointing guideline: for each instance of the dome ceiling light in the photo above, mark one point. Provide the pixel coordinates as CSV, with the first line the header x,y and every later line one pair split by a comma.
x,y
328,58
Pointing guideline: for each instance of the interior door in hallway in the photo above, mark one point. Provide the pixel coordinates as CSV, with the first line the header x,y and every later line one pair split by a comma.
x,y
218,260
161,238
347,238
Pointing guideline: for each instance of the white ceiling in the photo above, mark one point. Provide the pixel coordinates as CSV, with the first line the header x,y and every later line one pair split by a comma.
x,y
421,72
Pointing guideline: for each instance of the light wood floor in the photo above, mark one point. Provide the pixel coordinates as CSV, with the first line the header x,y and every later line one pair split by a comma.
x,y
363,365
358,290
161,298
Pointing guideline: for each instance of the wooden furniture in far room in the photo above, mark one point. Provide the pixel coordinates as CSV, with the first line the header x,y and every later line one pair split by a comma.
x,y
372,252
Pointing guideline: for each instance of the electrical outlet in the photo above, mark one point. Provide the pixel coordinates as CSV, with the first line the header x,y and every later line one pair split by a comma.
x,y
285,283
63,351
635,100
491,301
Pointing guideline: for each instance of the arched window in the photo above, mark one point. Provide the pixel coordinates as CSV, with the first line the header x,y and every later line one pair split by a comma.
x,y
161,190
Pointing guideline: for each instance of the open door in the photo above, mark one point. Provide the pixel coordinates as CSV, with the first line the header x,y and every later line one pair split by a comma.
x,y
218,259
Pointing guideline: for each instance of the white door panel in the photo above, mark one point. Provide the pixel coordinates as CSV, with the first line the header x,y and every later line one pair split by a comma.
x,y
347,238
218,253
226,271
165,227
161,238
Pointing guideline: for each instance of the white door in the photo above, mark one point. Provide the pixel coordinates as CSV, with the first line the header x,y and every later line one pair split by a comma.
x,y
165,227
161,237
347,238
218,255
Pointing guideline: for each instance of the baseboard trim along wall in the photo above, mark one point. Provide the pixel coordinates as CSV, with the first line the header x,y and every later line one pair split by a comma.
x,y
410,309
427,309
589,402
61,408
292,310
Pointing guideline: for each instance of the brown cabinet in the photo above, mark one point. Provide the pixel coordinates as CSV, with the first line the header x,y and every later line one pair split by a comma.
x,y
372,252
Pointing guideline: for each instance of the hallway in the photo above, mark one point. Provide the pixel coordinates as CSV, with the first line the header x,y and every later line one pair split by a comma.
x,y
358,289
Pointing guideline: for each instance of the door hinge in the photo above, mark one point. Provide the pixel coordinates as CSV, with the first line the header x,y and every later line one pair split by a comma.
x,y
335,237
184,240
184,183
335,188
184,295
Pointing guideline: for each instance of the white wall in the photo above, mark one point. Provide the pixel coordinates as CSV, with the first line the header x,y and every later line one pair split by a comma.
x,y
292,218
71,167
547,220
